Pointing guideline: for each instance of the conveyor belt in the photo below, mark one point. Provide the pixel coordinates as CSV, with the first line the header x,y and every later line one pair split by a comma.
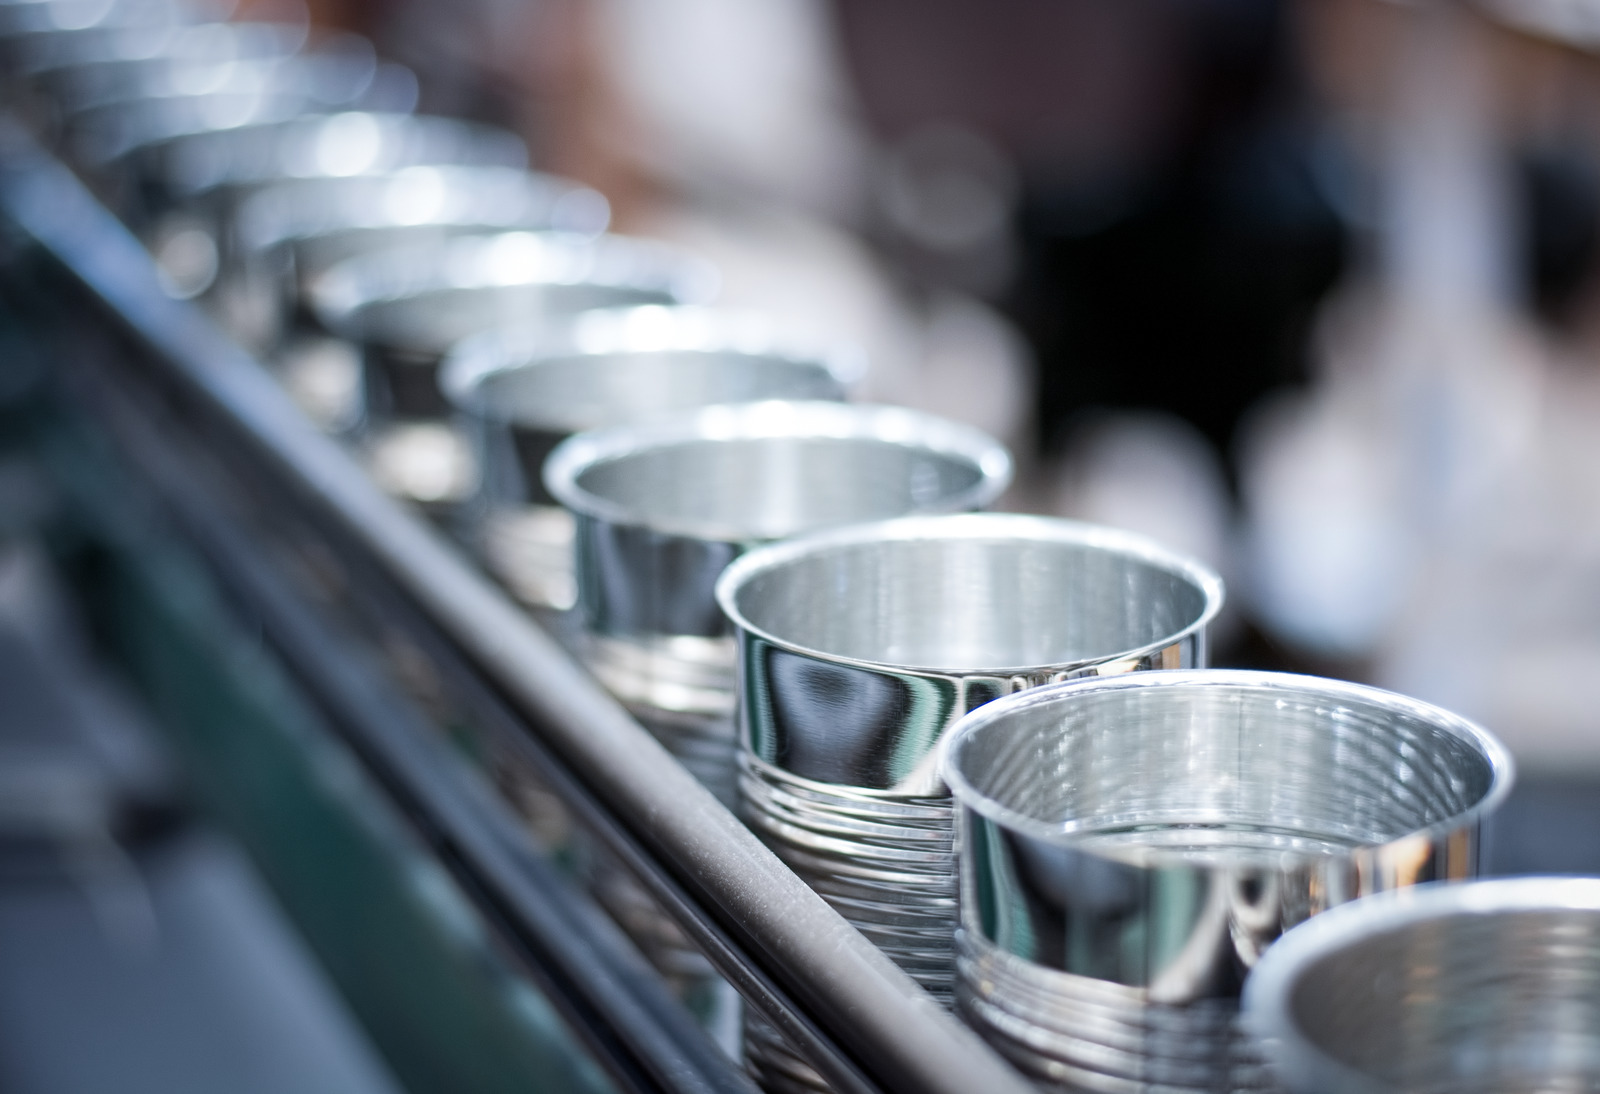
x,y
863,1022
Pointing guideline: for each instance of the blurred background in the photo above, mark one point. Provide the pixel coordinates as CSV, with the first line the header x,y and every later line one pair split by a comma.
x,y
1309,289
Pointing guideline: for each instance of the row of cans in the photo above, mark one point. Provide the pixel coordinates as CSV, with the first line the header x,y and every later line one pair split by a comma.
x,y
990,741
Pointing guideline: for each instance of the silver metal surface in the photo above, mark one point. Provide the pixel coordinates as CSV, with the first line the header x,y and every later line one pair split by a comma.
x,y
908,624
523,390
193,185
663,506
860,648
290,232
1131,846
1488,987
407,307
864,1021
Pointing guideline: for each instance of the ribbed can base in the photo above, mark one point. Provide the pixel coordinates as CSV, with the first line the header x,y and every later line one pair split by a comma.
x,y
680,689
1081,1034
885,862
702,743
529,549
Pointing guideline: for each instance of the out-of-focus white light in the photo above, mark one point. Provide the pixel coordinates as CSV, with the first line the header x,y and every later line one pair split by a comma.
x,y
348,144
416,197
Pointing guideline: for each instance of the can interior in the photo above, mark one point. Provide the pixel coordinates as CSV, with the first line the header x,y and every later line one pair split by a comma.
x,y
759,488
331,219
586,391
962,604
1207,769
1468,1003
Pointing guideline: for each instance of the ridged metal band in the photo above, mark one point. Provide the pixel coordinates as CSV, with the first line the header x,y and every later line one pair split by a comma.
x,y
703,744
679,673
1081,1033
529,549
681,688
886,862
292,231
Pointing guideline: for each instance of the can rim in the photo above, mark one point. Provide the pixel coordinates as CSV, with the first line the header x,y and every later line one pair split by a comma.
x,y
1267,991
279,212
972,527
771,419
1498,758
629,329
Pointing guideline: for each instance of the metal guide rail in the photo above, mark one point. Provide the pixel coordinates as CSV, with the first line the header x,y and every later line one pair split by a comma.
x,y
251,482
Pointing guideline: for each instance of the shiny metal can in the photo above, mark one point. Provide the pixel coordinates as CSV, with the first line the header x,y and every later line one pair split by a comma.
x,y
207,173
406,307
662,507
522,391
861,648
1479,988
1130,847
187,162
289,232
